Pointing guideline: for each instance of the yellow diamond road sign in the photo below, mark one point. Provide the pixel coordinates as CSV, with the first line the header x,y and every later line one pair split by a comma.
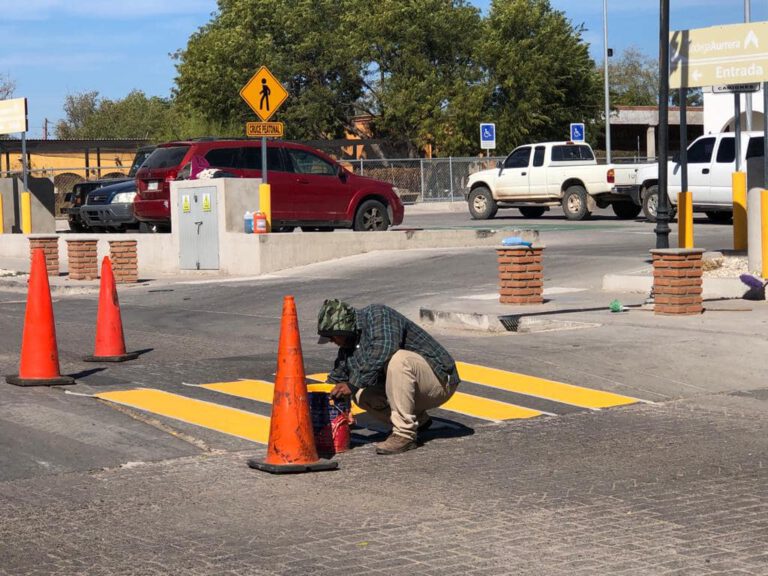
x,y
264,93
733,54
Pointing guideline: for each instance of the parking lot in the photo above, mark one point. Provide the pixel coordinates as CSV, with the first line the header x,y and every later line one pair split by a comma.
x,y
93,486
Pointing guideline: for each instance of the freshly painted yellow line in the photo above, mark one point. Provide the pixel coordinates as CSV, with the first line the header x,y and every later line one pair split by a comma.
x,y
541,388
469,404
230,421
263,391
487,409
259,390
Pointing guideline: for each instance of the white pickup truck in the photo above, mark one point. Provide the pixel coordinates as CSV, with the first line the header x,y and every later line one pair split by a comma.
x,y
711,162
535,177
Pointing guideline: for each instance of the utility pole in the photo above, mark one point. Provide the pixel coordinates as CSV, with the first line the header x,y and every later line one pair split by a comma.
x,y
748,95
606,84
45,129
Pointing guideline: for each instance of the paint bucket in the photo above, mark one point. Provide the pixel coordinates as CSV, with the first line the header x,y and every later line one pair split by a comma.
x,y
331,420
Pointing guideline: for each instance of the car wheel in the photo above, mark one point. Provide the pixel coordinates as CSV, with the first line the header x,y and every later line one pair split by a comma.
x,y
482,206
626,210
651,203
532,211
575,203
148,227
77,227
719,217
371,216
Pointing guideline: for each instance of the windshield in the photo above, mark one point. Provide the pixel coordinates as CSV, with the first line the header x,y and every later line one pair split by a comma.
x,y
167,157
141,156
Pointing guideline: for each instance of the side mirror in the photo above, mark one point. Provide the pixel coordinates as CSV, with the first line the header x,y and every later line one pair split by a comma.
x,y
68,197
341,173
499,165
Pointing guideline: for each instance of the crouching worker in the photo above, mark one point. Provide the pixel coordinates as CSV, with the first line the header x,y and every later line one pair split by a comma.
x,y
390,366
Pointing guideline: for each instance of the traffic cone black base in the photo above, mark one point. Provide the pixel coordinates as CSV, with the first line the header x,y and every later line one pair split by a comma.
x,y
59,381
120,358
319,466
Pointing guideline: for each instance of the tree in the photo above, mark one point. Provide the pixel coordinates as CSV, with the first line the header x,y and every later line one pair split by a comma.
x,y
420,76
634,81
539,76
305,45
7,87
135,116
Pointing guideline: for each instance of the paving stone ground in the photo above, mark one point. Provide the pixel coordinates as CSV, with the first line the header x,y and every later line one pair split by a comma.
x,y
674,488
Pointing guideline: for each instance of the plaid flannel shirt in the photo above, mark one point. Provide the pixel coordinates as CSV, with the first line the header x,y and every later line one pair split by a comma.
x,y
383,331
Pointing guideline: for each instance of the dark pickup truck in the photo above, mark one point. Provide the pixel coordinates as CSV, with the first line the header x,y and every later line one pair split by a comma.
x,y
115,216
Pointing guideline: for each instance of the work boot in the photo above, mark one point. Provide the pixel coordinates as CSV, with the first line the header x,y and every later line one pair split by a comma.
x,y
395,445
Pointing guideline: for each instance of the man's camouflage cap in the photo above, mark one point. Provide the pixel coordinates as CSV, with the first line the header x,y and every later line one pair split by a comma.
x,y
336,318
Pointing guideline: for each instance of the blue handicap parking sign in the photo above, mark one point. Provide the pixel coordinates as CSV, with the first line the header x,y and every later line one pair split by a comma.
x,y
577,132
488,136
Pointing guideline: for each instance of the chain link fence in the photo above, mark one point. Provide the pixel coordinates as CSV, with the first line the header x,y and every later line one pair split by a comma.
x,y
64,179
424,179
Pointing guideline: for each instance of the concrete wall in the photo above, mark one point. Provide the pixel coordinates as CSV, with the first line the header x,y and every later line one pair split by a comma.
x,y
43,201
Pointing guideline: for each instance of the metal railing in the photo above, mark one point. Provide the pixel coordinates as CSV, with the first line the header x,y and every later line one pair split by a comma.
x,y
424,179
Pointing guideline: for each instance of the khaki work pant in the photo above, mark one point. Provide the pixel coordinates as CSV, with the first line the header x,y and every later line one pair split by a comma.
x,y
411,389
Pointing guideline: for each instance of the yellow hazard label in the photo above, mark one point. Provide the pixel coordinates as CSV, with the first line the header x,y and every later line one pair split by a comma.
x,y
206,202
185,207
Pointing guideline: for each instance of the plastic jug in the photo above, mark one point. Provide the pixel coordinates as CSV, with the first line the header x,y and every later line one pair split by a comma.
x,y
248,222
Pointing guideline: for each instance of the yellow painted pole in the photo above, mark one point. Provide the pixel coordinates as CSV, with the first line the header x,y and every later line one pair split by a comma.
x,y
265,203
764,231
684,220
2,229
26,213
739,180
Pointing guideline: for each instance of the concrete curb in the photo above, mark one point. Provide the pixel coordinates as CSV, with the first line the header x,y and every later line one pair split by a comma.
x,y
524,322
712,287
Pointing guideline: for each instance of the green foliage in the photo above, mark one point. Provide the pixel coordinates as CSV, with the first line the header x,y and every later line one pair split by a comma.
x,y
540,77
135,116
633,79
420,76
303,43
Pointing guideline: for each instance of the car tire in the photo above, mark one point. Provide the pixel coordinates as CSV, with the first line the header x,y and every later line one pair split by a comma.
x,y
626,210
149,227
532,211
651,203
719,217
371,216
575,203
482,206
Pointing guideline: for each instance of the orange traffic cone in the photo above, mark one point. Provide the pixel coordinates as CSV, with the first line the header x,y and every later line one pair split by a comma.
x,y
291,439
110,342
39,364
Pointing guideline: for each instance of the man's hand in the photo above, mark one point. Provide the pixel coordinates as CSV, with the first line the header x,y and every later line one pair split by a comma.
x,y
341,390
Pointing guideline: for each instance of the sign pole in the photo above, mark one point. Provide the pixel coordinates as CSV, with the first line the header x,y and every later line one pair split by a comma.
x,y
24,160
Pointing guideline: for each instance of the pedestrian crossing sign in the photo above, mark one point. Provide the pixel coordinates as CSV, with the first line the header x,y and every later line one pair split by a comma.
x,y
264,93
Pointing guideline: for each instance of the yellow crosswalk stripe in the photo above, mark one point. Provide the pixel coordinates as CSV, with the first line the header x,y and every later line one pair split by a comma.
x,y
471,405
232,421
262,391
541,388
486,408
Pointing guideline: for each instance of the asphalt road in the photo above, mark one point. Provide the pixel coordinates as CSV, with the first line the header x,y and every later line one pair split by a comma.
x,y
672,485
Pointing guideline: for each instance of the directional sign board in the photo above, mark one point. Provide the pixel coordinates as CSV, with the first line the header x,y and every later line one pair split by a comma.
x,y
736,88
13,116
263,93
488,136
577,132
734,54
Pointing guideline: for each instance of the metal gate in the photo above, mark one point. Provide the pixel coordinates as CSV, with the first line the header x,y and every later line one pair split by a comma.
x,y
198,229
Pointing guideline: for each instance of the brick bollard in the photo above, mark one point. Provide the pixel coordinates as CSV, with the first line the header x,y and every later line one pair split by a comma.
x,y
50,246
82,258
124,261
677,281
521,274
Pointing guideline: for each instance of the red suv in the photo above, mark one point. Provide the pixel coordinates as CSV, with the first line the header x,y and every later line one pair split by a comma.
x,y
309,189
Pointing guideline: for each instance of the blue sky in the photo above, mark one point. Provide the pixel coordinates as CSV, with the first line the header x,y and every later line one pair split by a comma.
x,y
52,48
